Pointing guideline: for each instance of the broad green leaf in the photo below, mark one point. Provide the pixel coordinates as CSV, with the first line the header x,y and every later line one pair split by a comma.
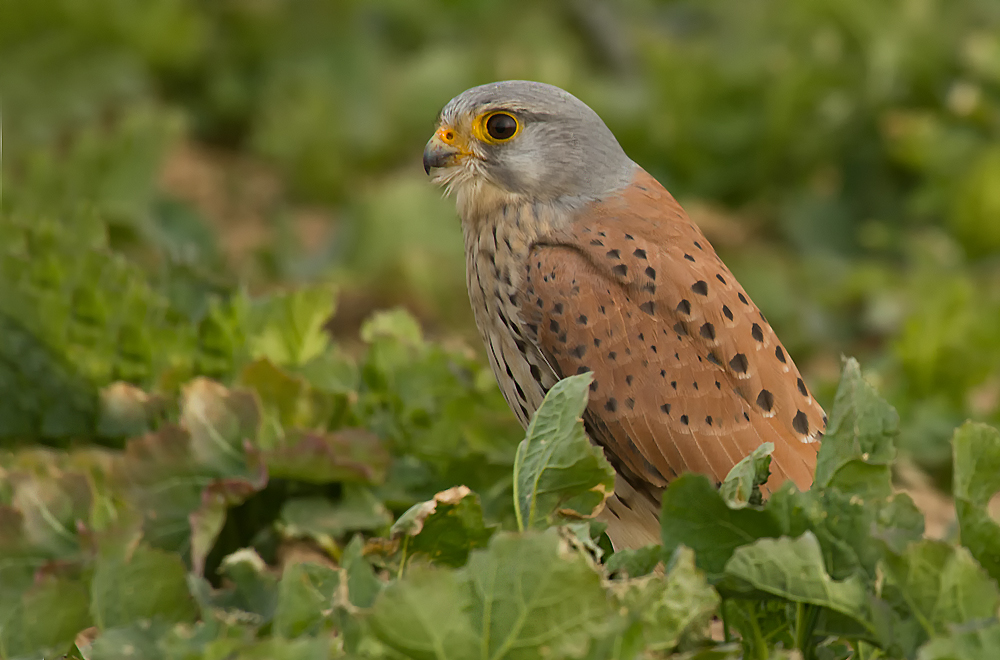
x,y
305,598
742,485
695,515
793,569
139,639
47,618
851,530
144,584
520,595
529,593
557,471
426,616
635,563
325,520
976,467
858,448
444,529
976,449
977,643
942,585
288,328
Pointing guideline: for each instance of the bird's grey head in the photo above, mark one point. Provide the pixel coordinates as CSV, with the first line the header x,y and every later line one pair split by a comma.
x,y
522,140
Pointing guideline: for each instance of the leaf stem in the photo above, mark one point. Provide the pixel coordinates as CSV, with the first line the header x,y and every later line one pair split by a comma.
x,y
725,622
402,558
805,620
762,653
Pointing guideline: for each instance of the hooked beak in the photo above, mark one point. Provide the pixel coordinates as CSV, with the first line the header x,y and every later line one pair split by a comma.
x,y
443,150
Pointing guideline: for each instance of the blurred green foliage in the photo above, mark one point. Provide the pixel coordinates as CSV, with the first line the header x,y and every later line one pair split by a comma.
x,y
842,154
189,190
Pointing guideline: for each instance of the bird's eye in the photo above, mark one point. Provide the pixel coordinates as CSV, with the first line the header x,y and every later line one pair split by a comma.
x,y
500,126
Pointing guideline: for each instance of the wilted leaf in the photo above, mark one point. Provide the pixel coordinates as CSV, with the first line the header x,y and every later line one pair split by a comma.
x,y
663,608
695,515
742,485
557,471
446,528
126,411
51,501
351,455
221,422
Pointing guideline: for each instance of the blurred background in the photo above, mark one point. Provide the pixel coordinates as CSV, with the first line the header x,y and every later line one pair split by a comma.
x,y
842,155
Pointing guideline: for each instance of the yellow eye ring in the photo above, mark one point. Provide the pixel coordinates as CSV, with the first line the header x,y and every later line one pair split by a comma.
x,y
497,127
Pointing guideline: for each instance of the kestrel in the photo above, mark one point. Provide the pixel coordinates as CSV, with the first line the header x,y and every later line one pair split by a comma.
x,y
578,260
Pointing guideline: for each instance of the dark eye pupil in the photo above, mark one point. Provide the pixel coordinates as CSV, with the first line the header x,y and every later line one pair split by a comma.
x,y
501,127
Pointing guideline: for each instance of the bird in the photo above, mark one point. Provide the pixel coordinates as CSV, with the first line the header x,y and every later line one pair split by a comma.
x,y
578,260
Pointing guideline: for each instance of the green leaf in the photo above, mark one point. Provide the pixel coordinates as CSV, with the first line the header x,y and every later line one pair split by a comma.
x,y
288,328
635,563
146,583
695,515
520,595
305,598
249,595
662,609
858,448
136,640
396,324
363,587
184,496
976,465
347,455
942,585
979,643
126,411
426,615
208,520
220,422
742,485
446,528
324,520
793,569
557,471
47,618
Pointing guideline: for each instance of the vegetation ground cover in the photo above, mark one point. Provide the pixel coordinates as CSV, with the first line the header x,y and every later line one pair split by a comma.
x,y
196,461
